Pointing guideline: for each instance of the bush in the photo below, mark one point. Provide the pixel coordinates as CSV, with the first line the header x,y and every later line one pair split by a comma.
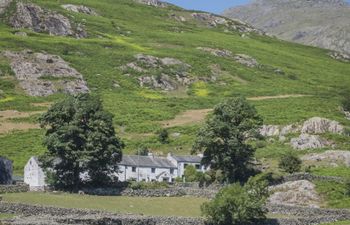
x,y
290,163
346,101
163,136
238,205
190,174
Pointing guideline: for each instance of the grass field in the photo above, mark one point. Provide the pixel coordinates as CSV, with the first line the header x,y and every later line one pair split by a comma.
x,y
177,206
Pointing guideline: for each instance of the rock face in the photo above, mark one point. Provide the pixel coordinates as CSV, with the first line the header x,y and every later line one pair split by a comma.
x,y
246,60
33,17
340,56
42,74
307,141
79,9
212,20
330,158
317,125
4,4
5,171
155,3
321,23
270,130
295,193
172,73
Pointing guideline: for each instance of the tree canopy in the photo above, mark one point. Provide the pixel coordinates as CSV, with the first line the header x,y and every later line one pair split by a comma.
x,y
81,142
223,138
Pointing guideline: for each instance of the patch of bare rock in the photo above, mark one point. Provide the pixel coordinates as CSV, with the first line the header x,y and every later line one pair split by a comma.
x,y
295,193
307,141
33,17
340,56
317,125
41,74
240,58
212,20
171,73
79,9
155,3
330,158
4,4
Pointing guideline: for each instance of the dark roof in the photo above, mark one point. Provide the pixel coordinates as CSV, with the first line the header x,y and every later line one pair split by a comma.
x,y
188,158
146,161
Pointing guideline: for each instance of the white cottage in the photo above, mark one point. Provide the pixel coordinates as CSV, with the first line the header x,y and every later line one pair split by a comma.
x,y
34,175
146,168
181,162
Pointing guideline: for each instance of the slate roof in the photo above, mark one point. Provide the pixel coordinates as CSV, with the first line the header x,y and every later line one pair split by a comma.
x,y
146,161
188,158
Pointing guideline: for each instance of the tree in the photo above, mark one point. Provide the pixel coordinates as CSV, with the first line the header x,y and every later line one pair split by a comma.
x,y
80,139
290,163
163,136
223,139
238,205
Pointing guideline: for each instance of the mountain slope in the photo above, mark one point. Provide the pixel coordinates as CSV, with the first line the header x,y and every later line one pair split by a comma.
x,y
154,67
322,23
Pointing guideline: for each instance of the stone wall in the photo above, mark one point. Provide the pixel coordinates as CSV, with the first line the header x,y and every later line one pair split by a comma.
x,y
310,177
13,188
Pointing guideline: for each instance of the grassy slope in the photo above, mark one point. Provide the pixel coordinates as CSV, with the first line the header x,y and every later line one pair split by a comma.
x,y
138,111
136,205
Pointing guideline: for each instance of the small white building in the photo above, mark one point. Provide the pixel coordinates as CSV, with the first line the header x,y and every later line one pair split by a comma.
x,y
181,162
34,175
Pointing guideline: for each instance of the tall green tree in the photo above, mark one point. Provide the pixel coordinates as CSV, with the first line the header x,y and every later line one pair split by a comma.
x,y
223,139
80,139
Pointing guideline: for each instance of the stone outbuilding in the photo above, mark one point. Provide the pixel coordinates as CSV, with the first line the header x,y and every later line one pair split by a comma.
x,y
34,175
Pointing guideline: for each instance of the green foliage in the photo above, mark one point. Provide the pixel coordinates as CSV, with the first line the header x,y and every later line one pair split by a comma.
x,y
290,163
147,185
163,136
346,101
144,151
334,194
80,139
190,174
223,139
238,205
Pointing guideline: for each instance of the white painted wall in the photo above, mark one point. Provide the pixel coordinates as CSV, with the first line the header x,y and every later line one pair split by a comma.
x,y
145,174
34,176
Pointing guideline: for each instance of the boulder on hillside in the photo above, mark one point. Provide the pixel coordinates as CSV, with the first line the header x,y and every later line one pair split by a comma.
x,y
307,141
41,74
33,17
80,9
172,72
216,52
155,3
4,4
246,60
329,158
295,193
317,125
5,171
270,130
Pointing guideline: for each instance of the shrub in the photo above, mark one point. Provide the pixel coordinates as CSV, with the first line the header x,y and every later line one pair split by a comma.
x,y
238,205
191,174
290,163
163,136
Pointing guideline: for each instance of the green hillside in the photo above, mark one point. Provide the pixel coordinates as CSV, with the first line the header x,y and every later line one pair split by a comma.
x,y
311,83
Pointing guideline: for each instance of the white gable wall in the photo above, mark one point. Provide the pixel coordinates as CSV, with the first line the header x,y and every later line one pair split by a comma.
x,y
34,176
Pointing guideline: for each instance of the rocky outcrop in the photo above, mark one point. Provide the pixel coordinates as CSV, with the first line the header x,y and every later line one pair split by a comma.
x,y
155,3
4,4
212,20
33,17
80,9
172,73
329,158
307,141
216,52
246,60
340,56
317,125
41,74
295,193
5,171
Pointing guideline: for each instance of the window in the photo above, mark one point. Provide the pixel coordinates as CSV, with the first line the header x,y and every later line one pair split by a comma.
x,y
171,171
185,165
133,169
153,170
198,167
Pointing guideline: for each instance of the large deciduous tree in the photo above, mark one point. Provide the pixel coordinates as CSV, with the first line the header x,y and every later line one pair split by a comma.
x,y
81,141
223,139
